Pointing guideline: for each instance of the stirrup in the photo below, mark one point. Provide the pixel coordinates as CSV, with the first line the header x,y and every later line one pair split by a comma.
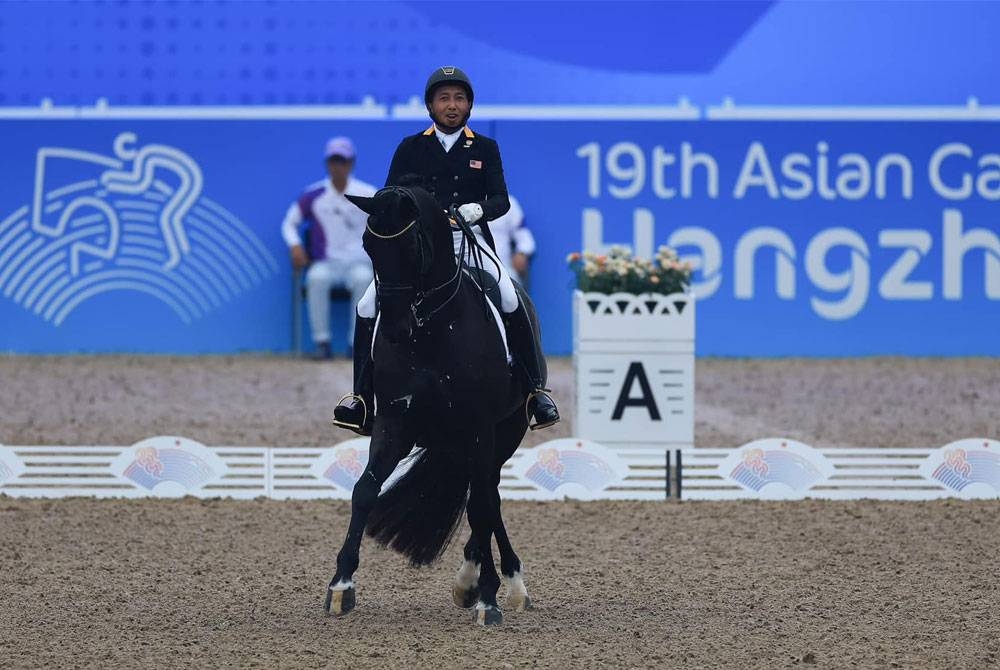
x,y
345,424
527,414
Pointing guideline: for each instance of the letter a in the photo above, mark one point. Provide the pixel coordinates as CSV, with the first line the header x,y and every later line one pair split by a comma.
x,y
636,372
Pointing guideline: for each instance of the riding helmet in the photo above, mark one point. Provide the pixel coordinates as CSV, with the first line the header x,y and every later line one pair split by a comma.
x,y
449,74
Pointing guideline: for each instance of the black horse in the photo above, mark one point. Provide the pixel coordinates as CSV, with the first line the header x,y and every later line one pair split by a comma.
x,y
443,384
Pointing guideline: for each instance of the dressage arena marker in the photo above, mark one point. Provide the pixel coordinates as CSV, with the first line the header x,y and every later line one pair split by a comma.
x,y
773,468
633,356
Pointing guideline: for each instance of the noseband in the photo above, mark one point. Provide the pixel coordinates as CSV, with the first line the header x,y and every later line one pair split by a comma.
x,y
394,235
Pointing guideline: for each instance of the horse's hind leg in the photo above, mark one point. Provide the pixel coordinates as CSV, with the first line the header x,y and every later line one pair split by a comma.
x,y
513,573
484,513
465,591
509,433
340,595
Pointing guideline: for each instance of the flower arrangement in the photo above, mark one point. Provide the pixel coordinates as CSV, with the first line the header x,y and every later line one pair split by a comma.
x,y
619,271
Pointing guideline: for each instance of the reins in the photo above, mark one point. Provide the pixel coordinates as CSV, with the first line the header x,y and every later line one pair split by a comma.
x,y
476,252
422,295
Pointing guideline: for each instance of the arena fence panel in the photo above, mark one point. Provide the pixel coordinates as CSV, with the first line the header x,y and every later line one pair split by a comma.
x,y
169,466
781,468
770,469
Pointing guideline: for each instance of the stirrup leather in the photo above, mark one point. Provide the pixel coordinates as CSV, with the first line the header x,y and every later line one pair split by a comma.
x,y
527,414
348,425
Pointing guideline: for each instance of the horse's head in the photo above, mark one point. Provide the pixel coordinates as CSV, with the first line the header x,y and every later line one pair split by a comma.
x,y
409,242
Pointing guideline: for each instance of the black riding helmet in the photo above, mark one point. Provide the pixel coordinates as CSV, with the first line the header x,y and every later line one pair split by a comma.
x,y
449,74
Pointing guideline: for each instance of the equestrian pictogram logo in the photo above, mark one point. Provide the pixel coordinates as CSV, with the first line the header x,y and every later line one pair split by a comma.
x,y
346,466
343,465
575,468
134,221
169,466
970,468
776,468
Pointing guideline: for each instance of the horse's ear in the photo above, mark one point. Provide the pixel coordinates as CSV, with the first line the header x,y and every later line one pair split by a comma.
x,y
366,204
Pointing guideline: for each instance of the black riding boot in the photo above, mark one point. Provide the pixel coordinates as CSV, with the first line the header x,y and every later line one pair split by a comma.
x,y
541,410
356,411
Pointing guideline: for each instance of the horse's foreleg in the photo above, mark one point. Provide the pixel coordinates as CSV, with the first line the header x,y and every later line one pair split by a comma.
x,y
465,591
340,595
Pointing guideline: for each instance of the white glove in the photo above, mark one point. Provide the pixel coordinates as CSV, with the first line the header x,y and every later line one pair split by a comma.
x,y
471,212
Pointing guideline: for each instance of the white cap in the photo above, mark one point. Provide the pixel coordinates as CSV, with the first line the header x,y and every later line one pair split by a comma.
x,y
340,146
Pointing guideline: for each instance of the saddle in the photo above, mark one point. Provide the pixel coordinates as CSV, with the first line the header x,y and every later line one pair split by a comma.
x,y
491,288
485,280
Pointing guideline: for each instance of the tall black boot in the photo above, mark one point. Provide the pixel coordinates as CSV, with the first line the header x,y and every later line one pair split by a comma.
x,y
540,408
356,411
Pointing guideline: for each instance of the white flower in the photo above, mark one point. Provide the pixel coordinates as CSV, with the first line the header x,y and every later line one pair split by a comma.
x,y
666,252
619,251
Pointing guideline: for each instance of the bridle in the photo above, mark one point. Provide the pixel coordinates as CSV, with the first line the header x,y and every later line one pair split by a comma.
x,y
422,306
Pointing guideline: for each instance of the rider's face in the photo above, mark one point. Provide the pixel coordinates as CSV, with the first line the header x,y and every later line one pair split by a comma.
x,y
450,106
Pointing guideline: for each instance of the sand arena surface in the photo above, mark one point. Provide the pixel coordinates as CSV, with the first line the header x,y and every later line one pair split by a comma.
x,y
190,583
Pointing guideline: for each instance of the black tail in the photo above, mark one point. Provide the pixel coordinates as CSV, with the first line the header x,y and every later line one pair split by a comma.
x,y
419,514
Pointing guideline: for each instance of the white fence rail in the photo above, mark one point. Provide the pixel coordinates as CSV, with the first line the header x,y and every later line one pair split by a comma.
x,y
177,466
779,468
773,468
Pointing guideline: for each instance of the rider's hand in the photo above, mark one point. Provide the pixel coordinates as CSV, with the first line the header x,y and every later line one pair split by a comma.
x,y
471,212
300,258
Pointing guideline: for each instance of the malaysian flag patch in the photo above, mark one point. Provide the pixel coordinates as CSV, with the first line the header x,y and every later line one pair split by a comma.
x,y
476,165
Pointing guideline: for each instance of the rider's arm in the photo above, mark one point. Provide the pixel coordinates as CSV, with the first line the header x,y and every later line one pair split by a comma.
x,y
496,202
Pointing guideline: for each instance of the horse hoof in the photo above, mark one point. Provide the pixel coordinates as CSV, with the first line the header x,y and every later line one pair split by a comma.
x,y
488,615
339,603
464,598
518,602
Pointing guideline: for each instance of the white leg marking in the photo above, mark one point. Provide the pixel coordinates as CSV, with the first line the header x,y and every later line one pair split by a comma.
x,y
467,575
342,585
517,594
516,586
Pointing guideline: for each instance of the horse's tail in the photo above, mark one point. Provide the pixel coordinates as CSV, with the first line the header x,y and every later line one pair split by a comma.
x,y
419,514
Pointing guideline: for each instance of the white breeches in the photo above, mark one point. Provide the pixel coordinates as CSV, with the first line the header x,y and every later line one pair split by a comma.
x,y
508,296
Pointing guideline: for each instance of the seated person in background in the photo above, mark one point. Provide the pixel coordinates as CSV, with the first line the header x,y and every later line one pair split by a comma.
x,y
515,243
336,257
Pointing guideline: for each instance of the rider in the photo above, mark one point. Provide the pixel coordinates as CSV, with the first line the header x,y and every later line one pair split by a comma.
x,y
462,168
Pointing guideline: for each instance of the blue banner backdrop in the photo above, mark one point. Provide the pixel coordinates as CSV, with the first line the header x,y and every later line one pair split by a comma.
x,y
810,238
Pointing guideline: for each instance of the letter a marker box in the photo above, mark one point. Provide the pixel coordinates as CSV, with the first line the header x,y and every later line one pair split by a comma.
x,y
634,362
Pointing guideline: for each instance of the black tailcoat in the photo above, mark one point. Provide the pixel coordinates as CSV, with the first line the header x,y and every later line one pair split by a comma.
x,y
470,172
